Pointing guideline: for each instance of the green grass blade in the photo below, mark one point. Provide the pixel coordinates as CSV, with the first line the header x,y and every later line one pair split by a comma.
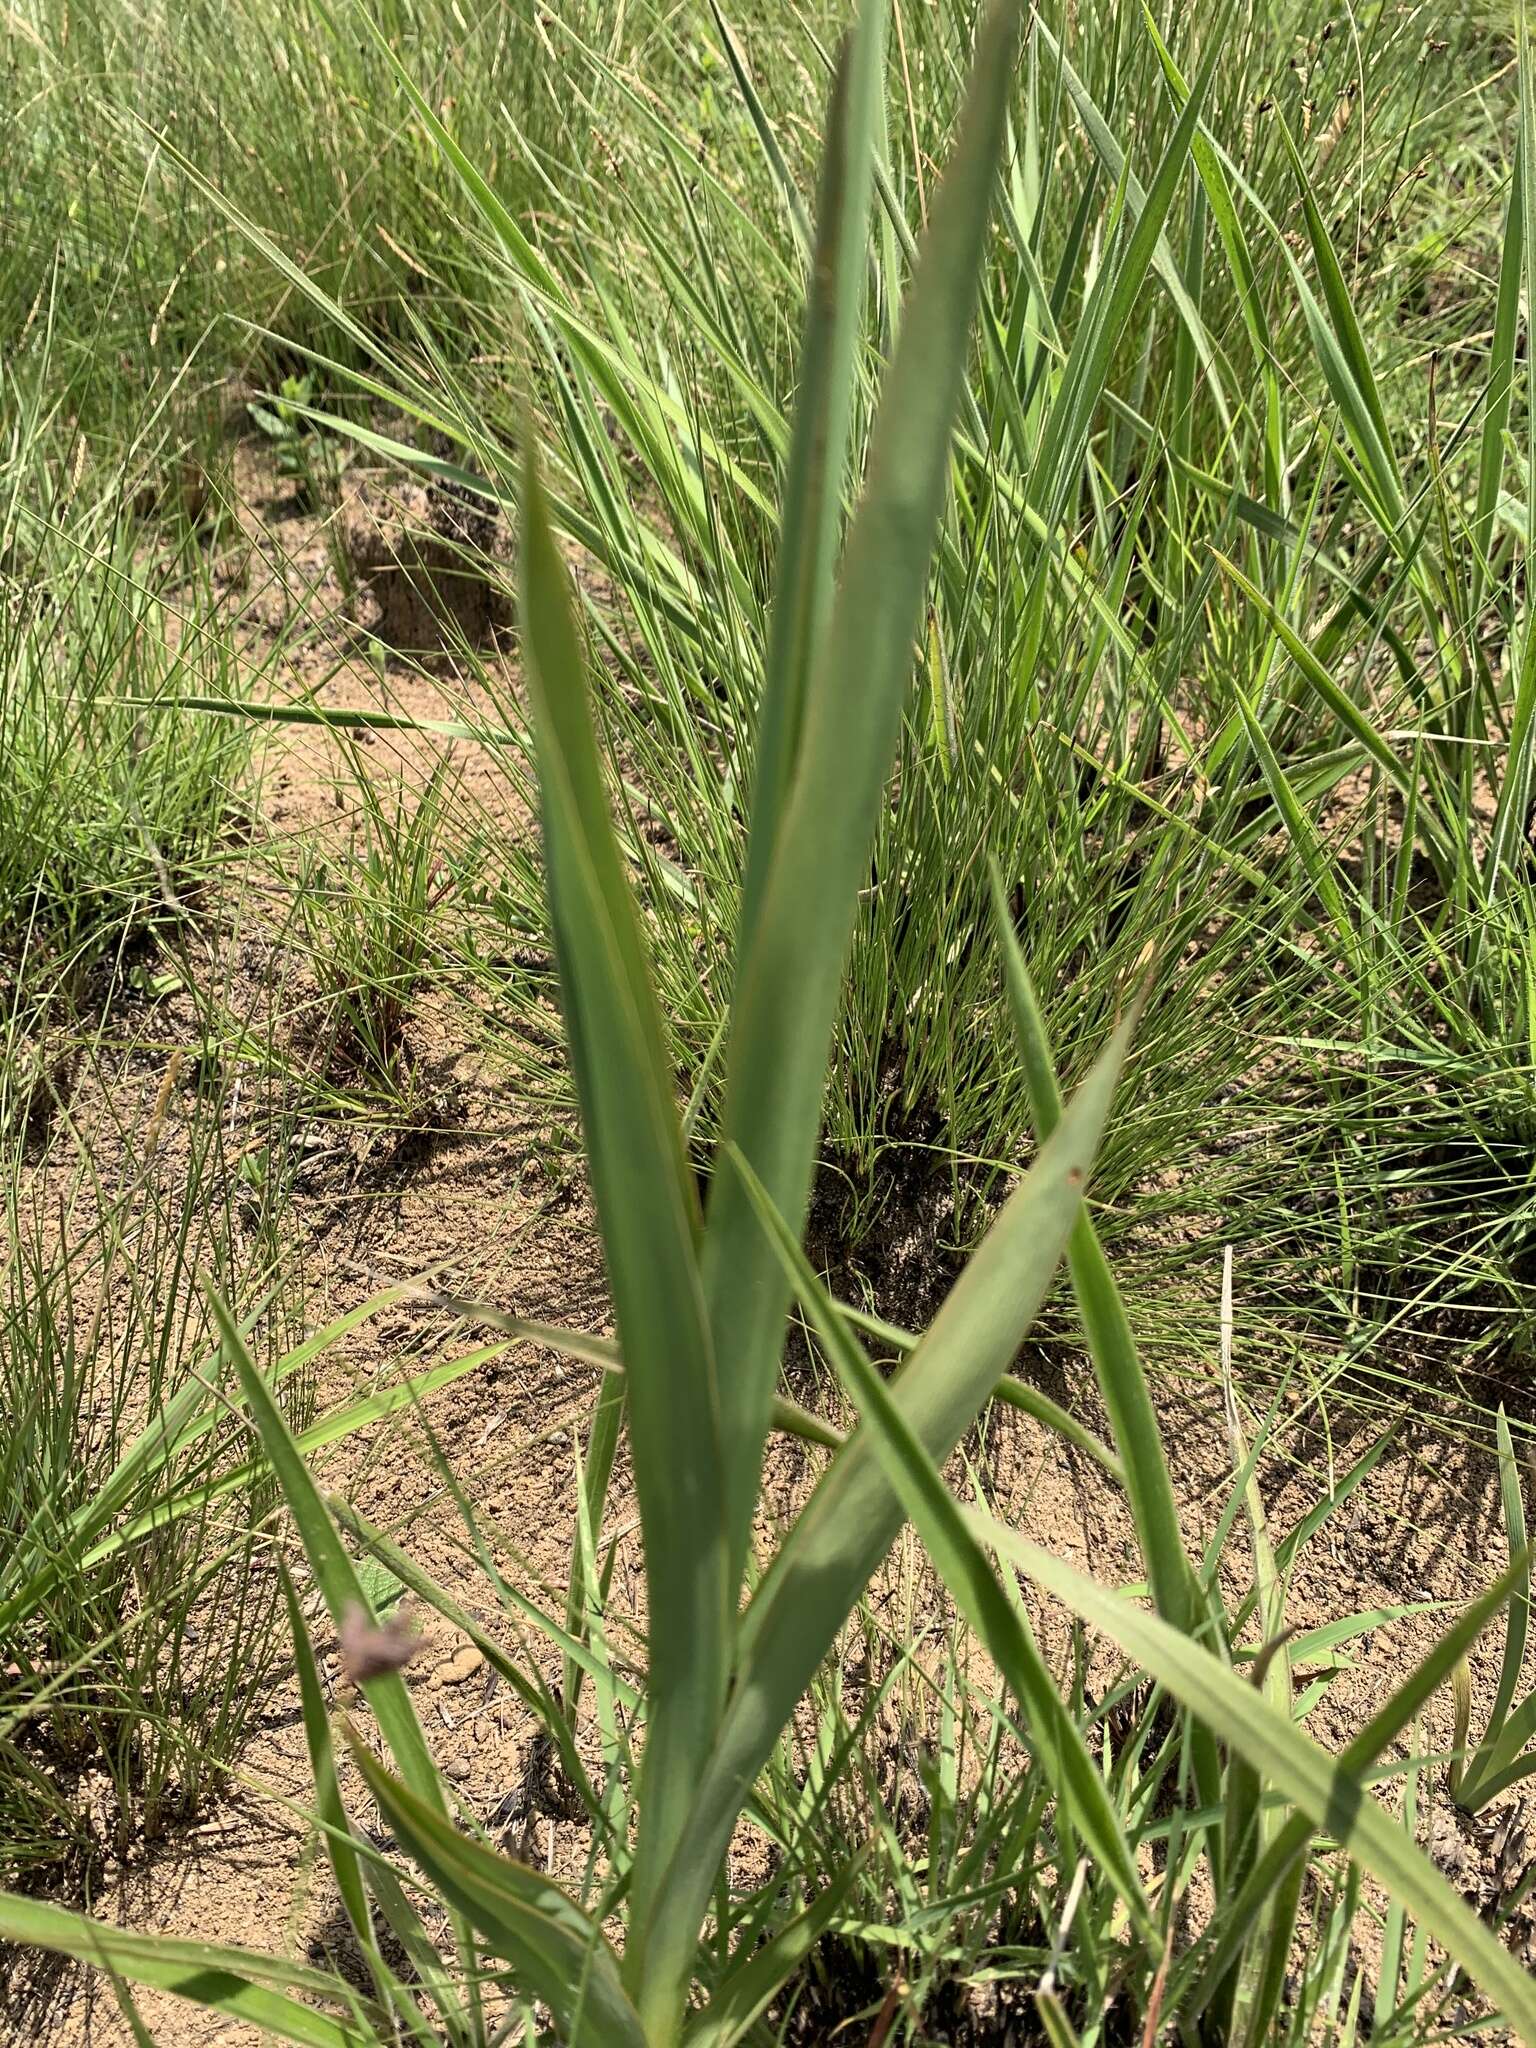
x,y
335,1573
236,1982
1343,707
335,1828
962,1564
341,1848
1511,817
1501,384
1517,1624
331,1428
1115,162
854,1516
744,1993
1342,350
646,1202
557,1952
768,142
603,1353
1326,1790
1258,1983
1117,1363
1288,1846
1110,306
1234,242
534,1695
1016,1393
1314,856
791,959
810,522
1395,1931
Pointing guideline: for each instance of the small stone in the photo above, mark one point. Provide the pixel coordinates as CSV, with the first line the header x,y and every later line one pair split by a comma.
x,y
458,1770
462,1664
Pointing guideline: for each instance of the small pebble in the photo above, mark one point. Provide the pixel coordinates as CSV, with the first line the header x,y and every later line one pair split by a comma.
x,y
461,1665
458,1770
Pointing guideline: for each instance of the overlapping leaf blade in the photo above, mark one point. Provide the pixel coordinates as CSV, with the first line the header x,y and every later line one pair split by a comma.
x,y
790,959
854,1515
646,1203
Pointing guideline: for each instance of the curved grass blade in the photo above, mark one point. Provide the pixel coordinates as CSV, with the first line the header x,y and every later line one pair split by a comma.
x,y
1490,1753
1234,241
744,1993
602,1352
1015,1393
1117,1363
853,1516
961,1563
534,1697
329,1429
1343,707
234,1981
1289,1845
1501,380
1114,295
335,1574
558,1954
1342,351
1326,1790
1114,159
768,142
341,1848
646,1202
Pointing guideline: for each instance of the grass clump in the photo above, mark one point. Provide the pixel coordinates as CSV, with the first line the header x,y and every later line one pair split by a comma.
x,y
118,797
1143,1853
139,1606
1033,762
365,920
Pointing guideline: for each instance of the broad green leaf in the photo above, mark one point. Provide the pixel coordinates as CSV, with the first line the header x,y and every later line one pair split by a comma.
x,y
646,1204
790,962
810,524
